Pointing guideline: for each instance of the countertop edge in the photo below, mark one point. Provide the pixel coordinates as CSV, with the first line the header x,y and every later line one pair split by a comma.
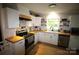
x,y
62,33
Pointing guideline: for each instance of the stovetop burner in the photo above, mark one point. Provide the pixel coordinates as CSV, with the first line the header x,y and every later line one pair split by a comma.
x,y
25,34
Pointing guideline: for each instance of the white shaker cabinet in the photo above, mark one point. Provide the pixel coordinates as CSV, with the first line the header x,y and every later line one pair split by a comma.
x,y
36,21
42,37
36,38
12,17
51,38
17,48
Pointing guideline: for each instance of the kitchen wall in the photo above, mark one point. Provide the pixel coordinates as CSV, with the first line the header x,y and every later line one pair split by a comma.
x,y
6,31
23,9
10,5
74,39
2,23
66,16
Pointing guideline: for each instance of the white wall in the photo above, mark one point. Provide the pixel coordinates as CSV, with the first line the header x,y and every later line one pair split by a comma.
x,y
23,9
10,5
6,31
3,24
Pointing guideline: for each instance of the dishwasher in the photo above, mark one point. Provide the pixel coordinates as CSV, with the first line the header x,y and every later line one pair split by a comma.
x,y
63,40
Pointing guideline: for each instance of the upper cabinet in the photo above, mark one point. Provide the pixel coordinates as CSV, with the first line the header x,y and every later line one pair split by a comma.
x,y
36,21
12,17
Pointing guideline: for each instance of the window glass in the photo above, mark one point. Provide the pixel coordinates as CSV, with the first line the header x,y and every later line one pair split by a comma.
x,y
53,24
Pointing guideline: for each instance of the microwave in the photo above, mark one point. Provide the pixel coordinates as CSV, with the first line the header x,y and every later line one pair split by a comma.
x,y
74,31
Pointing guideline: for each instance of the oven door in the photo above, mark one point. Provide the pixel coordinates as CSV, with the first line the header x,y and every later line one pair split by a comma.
x,y
29,41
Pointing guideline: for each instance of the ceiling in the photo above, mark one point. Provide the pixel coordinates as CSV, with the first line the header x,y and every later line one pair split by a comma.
x,y
44,9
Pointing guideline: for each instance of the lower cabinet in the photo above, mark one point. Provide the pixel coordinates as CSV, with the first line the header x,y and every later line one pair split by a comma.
x,y
17,48
36,37
51,38
42,37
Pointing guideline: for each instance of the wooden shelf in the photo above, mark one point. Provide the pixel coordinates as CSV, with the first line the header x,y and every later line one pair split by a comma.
x,y
24,17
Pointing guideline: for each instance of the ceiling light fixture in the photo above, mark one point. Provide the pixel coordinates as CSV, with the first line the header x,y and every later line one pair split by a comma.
x,y
52,5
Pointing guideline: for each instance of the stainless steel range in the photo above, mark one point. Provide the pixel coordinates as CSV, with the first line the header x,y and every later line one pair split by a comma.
x,y
29,40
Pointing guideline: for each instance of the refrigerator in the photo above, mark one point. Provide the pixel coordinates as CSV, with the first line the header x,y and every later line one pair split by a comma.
x,y
74,30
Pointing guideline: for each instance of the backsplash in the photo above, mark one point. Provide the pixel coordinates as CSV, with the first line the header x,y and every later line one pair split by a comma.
x,y
10,32
35,28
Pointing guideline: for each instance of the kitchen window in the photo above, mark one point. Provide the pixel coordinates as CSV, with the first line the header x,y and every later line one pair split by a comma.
x,y
53,24
53,21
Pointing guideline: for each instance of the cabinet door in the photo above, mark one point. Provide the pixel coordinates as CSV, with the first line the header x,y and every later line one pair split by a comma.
x,y
12,18
55,39
36,21
20,48
8,48
51,38
36,37
41,37
47,37
44,37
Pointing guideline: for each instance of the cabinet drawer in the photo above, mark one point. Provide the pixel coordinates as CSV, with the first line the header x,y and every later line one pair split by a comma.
x,y
20,42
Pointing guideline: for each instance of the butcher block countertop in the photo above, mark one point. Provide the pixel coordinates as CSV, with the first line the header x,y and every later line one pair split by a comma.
x,y
60,33
52,32
33,32
14,39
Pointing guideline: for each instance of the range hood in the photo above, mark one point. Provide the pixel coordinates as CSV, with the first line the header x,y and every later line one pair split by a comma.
x,y
25,17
